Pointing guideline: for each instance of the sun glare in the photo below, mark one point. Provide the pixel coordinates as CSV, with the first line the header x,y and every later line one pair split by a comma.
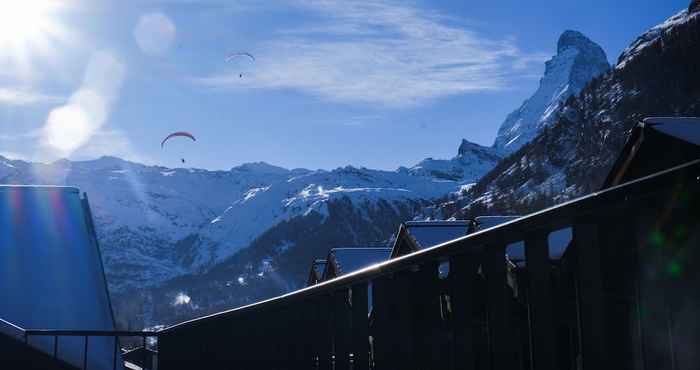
x,y
29,27
23,20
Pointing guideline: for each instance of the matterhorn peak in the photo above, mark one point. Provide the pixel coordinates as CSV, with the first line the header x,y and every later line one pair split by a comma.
x,y
575,39
578,60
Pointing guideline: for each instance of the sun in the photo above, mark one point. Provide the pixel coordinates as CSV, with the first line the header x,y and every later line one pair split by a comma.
x,y
24,20
29,28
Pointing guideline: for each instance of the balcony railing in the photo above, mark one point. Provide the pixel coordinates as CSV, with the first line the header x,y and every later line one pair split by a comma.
x,y
25,336
618,298
625,294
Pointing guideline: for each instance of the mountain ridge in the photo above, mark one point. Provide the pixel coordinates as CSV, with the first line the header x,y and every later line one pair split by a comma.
x,y
655,76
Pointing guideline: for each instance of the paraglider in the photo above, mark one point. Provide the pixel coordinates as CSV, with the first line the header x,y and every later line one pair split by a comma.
x,y
234,56
176,134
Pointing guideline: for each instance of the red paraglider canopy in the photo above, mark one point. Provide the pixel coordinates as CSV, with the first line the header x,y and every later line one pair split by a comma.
x,y
179,133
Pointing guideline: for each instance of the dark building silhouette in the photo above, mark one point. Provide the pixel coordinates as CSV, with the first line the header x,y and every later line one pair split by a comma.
x,y
316,272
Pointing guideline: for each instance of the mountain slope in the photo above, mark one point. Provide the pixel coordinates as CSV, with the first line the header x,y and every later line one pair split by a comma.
x,y
156,223
578,60
657,75
278,260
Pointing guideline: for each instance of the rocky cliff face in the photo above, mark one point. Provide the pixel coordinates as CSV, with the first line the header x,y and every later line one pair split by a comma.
x,y
578,60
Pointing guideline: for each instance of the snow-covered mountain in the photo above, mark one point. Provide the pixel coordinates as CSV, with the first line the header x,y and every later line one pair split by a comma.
x,y
566,157
656,76
178,243
578,60
157,223
472,162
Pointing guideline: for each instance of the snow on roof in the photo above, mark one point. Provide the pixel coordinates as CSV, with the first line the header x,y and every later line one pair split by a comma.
x,y
319,266
485,222
51,273
431,233
351,259
684,128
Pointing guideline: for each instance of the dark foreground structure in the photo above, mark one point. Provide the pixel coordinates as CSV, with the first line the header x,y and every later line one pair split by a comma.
x,y
623,294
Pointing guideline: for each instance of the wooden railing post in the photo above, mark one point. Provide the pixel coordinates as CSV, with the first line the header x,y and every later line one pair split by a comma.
x,y
402,353
494,264
341,329
655,328
424,298
590,296
360,327
304,334
390,339
461,294
324,339
543,346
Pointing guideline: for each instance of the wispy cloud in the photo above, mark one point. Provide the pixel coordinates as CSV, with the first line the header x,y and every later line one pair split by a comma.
x,y
380,52
17,97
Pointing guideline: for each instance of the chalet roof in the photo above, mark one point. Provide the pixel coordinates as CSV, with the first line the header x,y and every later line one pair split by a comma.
x,y
416,235
656,144
485,222
316,271
687,129
342,261
431,233
55,279
318,266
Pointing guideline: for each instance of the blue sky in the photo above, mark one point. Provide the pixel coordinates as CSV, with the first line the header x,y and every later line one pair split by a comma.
x,y
377,83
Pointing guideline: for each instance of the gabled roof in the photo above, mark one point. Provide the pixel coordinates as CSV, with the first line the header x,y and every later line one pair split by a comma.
x,y
343,261
485,222
654,145
52,275
416,235
316,272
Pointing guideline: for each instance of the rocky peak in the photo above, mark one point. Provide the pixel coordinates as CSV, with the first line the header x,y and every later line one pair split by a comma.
x,y
472,162
464,147
575,39
467,148
578,60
